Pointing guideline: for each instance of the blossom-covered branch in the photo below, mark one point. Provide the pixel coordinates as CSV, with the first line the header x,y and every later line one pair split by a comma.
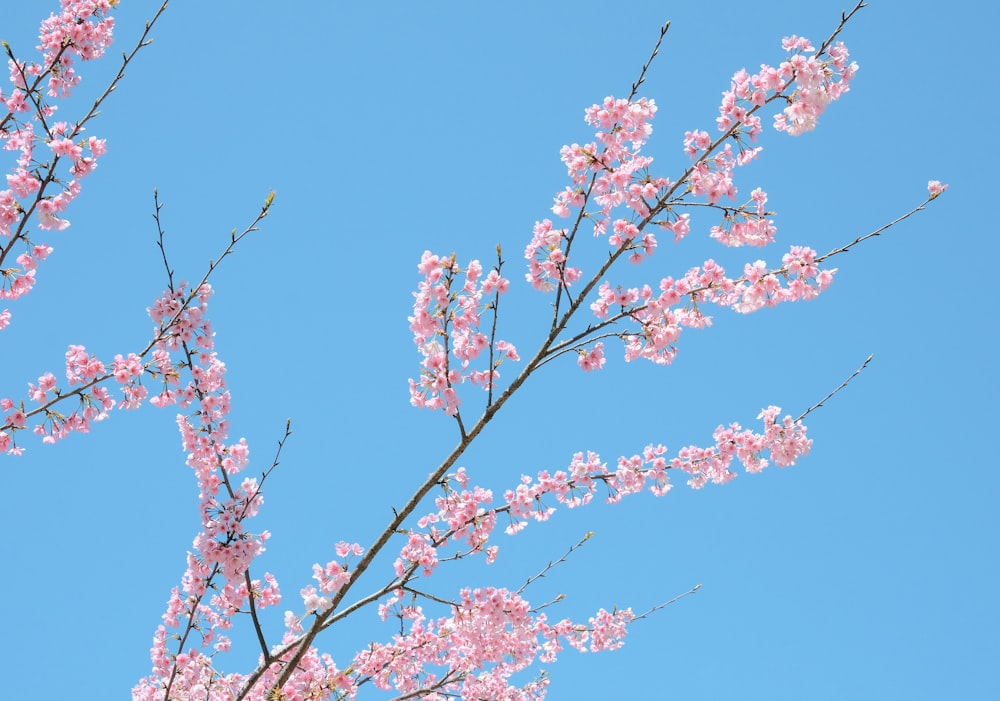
x,y
474,642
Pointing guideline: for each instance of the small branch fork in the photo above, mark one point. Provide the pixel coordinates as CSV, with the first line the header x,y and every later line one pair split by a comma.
x,y
165,331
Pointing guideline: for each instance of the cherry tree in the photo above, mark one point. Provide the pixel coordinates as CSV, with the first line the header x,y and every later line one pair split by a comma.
x,y
595,260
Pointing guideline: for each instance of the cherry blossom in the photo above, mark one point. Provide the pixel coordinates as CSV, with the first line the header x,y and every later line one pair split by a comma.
x,y
935,188
81,30
476,642
446,326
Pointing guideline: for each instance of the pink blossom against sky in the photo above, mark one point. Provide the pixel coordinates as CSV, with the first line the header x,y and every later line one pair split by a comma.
x,y
865,571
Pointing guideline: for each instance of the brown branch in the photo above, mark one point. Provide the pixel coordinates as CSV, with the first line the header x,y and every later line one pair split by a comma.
x,y
843,384
323,620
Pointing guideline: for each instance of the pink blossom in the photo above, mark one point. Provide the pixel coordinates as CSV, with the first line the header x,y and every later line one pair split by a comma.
x,y
23,183
65,147
592,359
446,325
935,188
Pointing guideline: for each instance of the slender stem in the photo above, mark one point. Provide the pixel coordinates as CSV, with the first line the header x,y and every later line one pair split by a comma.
x,y
493,330
689,592
258,628
552,563
843,384
877,232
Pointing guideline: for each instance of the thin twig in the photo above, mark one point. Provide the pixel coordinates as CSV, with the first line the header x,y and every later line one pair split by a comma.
x,y
649,61
876,232
430,597
844,18
843,384
677,598
552,563
264,648
493,330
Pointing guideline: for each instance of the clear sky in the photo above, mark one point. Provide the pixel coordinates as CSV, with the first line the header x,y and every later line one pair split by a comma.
x,y
868,571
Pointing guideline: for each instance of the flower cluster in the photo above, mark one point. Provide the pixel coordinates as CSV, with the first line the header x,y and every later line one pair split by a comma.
x,y
783,439
178,319
818,82
82,29
935,188
446,328
471,516
222,545
330,577
612,161
592,359
611,172
662,317
745,226
462,516
803,278
491,635
547,259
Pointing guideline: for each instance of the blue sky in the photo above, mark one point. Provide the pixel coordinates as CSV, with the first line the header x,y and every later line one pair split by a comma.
x,y
867,571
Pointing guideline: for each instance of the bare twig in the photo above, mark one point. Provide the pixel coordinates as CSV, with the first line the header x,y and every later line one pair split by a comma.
x,y
649,61
677,598
843,384
877,232
553,563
